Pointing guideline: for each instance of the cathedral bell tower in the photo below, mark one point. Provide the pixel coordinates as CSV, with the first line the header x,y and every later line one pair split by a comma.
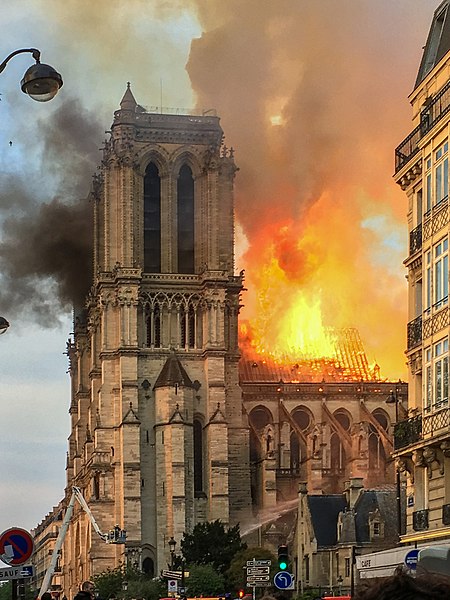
x,y
159,441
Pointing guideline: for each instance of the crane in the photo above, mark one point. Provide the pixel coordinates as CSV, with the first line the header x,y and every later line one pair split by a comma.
x,y
114,536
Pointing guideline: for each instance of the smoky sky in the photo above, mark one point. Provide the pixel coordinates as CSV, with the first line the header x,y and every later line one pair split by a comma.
x,y
46,246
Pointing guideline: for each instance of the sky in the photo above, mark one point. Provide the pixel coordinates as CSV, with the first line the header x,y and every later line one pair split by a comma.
x,y
313,96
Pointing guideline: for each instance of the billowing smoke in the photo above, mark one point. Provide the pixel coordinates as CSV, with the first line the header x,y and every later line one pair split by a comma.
x,y
46,249
46,225
313,95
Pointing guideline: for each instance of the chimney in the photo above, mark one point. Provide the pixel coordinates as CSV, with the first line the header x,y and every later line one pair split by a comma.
x,y
352,490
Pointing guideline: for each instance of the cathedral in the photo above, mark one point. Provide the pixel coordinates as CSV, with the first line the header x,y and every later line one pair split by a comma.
x,y
172,423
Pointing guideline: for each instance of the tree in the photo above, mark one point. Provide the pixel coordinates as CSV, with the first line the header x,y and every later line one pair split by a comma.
x,y
203,580
236,574
110,584
211,543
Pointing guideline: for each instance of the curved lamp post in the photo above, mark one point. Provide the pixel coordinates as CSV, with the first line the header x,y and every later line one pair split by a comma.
x,y
3,325
41,82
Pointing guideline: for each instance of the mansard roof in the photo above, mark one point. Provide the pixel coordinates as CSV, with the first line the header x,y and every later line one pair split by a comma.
x,y
173,373
438,42
325,510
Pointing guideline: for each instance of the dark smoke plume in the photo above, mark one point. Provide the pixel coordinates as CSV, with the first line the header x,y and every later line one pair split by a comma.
x,y
46,249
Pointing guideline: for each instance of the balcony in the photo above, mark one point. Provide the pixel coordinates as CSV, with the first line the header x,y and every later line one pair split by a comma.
x,y
437,108
438,421
415,240
420,520
407,432
414,333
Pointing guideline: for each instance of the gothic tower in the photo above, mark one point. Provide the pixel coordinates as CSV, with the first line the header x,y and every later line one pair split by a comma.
x,y
159,441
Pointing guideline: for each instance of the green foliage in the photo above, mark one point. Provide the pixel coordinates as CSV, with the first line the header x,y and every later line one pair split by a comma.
x,y
210,543
6,590
203,580
110,584
236,574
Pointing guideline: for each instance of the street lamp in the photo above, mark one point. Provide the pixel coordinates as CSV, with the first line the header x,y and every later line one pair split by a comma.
x,y
41,82
340,580
395,398
3,325
172,543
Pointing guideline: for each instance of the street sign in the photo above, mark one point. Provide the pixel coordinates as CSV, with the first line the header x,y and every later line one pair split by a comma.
x,y
284,580
253,578
260,584
175,574
258,563
21,572
258,571
16,546
172,585
411,559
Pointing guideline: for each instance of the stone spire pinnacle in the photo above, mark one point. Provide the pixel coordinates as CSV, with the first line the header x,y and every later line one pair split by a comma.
x,y
128,102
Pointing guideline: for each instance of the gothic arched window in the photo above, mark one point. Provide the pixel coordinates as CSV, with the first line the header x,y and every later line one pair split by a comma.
x,y
154,328
198,456
337,452
185,211
152,220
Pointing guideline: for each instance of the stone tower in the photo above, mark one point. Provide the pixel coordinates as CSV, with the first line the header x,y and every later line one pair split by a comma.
x,y
159,441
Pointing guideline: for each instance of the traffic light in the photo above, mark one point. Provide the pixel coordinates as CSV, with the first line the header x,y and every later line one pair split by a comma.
x,y
283,557
241,594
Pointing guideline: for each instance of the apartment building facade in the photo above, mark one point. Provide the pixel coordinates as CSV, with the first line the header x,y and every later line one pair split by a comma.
x,y
422,441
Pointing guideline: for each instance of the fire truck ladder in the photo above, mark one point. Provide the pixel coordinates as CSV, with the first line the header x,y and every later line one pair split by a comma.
x,y
114,536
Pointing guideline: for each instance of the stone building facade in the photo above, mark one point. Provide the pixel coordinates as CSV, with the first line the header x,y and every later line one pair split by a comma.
x,y
159,440
422,442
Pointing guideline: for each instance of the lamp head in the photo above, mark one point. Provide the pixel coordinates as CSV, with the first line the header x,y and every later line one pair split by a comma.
x,y
3,325
172,543
392,398
41,82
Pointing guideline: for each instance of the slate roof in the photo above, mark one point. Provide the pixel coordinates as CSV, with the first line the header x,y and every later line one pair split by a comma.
x,y
324,511
438,42
368,502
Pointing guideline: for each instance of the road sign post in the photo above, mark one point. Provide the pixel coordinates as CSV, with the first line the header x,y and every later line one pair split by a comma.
x,y
284,580
16,546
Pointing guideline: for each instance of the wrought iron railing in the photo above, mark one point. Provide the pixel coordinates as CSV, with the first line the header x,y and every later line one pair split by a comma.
x,y
407,432
415,239
446,514
436,421
414,332
420,520
436,109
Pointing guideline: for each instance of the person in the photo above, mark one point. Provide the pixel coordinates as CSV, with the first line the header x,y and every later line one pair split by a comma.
x,y
402,585
87,591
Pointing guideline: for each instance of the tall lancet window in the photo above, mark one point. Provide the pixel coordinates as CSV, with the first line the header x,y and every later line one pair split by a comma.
x,y
185,209
152,220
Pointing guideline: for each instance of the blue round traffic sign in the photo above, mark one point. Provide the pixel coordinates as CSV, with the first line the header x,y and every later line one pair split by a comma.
x,y
411,559
16,546
283,580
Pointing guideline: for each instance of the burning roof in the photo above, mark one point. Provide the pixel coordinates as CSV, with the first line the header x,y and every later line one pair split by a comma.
x,y
347,361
